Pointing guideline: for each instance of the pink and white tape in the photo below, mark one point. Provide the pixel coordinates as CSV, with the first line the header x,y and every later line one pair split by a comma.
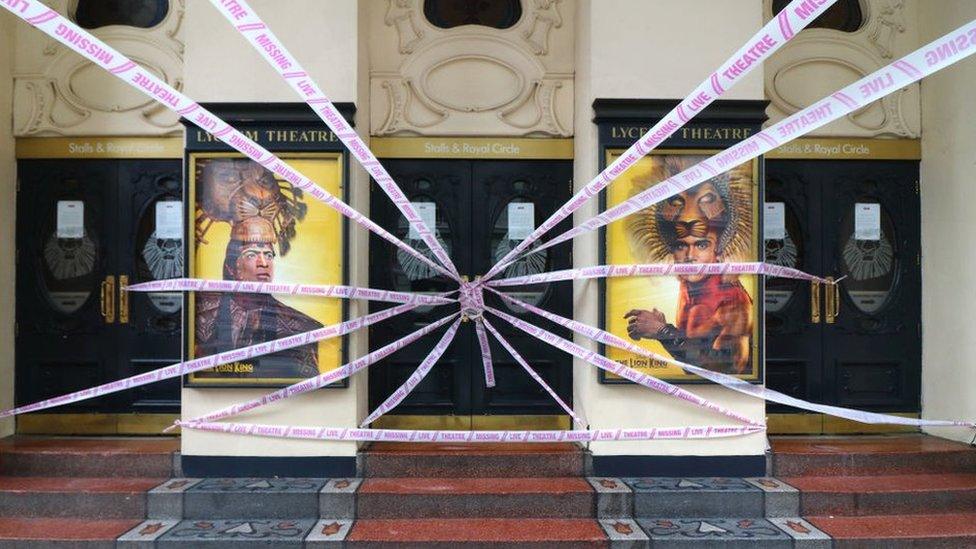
x,y
935,56
321,380
732,382
659,269
577,420
397,435
198,364
791,20
486,363
416,377
343,292
255,31
626,372
88,46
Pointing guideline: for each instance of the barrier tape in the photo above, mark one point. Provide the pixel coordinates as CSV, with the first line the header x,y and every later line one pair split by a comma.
x,y
398,435
320,380
486,363
732,382
615,367
416,377
660,269
88,46
246,21
791,20
343,292
935,56
577,420
203,363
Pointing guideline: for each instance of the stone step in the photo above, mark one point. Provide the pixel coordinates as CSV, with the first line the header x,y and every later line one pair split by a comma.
x,y
554,497
775,533
870,455
948,530
391,459
60,497
710,497
88,457
61,533
890,494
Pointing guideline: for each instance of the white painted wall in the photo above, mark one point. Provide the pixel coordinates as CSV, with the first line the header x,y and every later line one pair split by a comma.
x,y
948,191
221,66
8,199
651,49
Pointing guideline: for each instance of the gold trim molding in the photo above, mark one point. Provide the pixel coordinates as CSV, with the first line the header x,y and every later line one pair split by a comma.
x,y
848,148
474,423
820,424
94,424
99,147
483,148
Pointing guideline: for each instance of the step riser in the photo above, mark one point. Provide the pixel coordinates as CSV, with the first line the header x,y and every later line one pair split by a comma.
x,y
706,504
264,506
949,542
58,544
402,506
863,504
480,466
785,465
73,505
28,464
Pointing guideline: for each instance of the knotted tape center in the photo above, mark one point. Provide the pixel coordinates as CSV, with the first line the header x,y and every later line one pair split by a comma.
x,y
472,301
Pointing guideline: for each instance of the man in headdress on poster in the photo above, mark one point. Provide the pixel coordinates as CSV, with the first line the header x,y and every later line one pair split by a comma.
x,y
253,205
708,223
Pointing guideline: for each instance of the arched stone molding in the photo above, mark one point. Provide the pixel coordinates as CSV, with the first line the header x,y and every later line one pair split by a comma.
x,y
818,62
471,80
57,92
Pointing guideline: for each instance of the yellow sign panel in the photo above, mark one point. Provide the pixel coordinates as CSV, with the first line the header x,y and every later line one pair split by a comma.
x,y
250,225
848,148
99,147
708,321
484,148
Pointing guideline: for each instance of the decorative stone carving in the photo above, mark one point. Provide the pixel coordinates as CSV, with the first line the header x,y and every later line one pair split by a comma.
x,y
470,80
818,62
56,92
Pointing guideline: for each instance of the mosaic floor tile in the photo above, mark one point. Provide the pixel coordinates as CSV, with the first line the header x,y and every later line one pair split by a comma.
x,y
714,529
805,535
269,530
145,534
692,484
328,531
260,485
620,531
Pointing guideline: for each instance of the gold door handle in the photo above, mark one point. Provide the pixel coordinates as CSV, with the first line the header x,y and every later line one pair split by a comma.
x,y
833,301
108,299
815,302
123,299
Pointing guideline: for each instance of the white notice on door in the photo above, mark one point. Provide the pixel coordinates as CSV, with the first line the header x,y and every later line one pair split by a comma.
x,y
867,221
774,221
71,219
169,220
521,220
428,213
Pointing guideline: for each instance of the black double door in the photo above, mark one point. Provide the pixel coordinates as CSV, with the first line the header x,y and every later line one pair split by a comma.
x,y
85,229
482,209
858,343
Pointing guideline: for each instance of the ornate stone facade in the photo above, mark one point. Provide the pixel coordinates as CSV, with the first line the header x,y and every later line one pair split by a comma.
x,y
471,80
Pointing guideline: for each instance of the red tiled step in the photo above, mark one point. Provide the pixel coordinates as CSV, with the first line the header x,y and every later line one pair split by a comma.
x,y
892,494
557,497
41,533
391,459
870,455
103,498
92,457
484,532
953,530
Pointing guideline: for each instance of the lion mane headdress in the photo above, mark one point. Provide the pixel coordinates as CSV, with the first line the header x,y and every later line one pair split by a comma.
x,y
652,231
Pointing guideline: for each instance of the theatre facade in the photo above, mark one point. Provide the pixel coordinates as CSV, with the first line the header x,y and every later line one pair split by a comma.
x,y
490,116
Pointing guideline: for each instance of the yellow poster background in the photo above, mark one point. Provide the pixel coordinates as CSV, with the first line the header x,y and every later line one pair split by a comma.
x,y
623,294
316,257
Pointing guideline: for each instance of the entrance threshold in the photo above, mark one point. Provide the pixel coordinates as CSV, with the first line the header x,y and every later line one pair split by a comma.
x,y
475,423
821,424
94,424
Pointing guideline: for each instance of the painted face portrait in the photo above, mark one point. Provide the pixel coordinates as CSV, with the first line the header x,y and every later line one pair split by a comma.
x,y
255,264
696,247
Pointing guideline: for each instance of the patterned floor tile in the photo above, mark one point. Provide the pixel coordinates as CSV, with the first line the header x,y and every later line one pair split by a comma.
x,y
623,533
720,532
804,534
691,484
269,531
145,534
259,485
328,532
